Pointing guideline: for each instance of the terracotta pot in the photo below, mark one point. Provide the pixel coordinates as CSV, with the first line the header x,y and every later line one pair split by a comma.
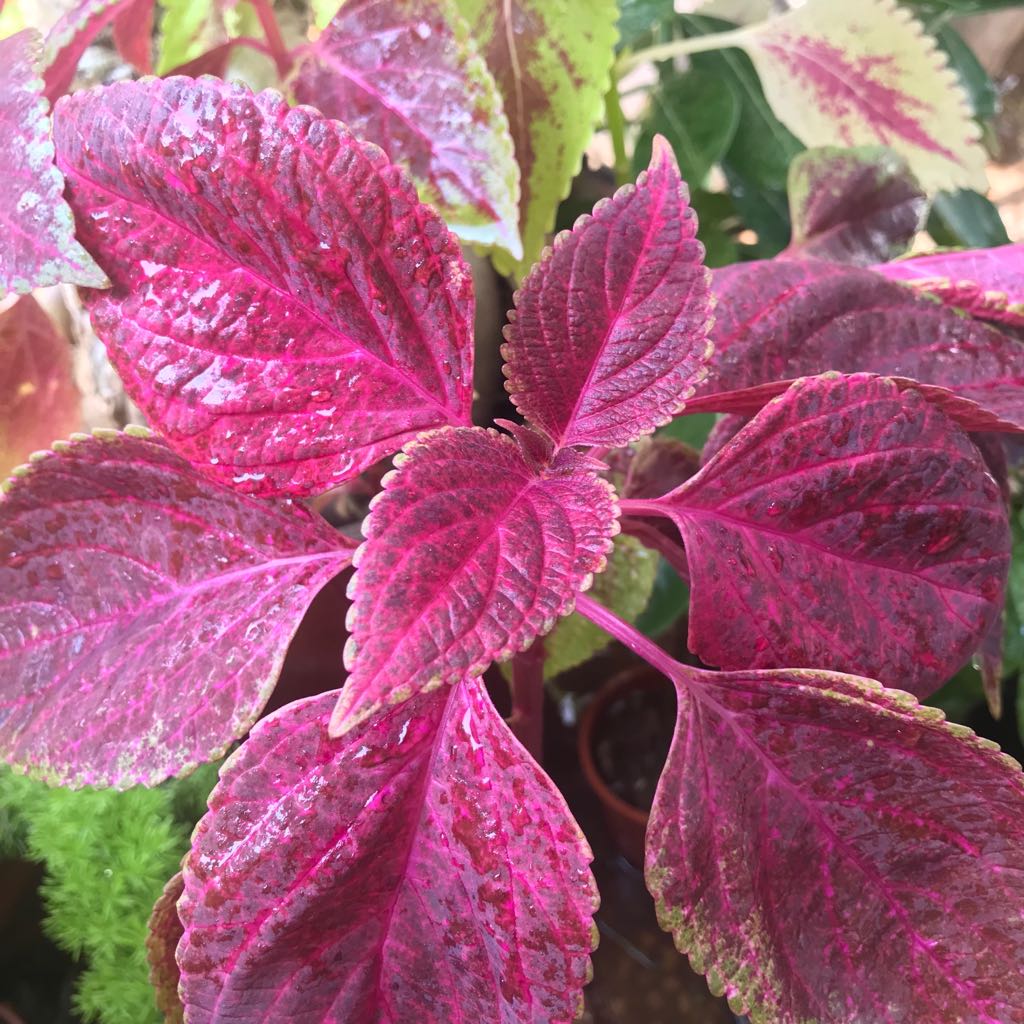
x,y
626,823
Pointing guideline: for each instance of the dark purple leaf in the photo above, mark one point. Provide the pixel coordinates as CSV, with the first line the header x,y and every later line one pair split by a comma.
x,y
779,320
473,549
165,931
856,206
406,75
988,283
423,868
609,333
849,526
284,308
145,611
37,242
725,429
826,850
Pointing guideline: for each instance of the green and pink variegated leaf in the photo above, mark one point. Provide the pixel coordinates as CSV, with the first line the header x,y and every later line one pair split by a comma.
x,y
145,611
284,308
437,875
477,544
848,526
551,60
864,74
38,397
37,240
988,283
406,75
782,319
165,931
609,334
78,28
854,206
830,852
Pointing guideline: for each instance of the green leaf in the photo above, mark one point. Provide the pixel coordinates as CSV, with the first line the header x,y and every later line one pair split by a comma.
x,y
188,28
670,600
966,220
693,430
551,60
639,20
958,7
323,11
698,113
764,210
762,146
980,89
717,220
625,586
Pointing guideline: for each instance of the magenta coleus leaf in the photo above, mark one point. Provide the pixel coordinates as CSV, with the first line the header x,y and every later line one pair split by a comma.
x,y
854,206
609,334
406,75
284,308
829,851
423,868
145,611
37,241
779,320
474,548
38,397
77,28
165,931
849,526
133,34
988,283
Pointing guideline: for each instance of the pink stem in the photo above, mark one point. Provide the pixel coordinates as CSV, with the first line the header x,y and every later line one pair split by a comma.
x,y
527,718
639,507
271,29
630,637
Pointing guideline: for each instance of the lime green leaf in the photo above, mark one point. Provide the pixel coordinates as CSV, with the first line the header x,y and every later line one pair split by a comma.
x,y
323,11
188,28
739,12
865,73
551,60
625,586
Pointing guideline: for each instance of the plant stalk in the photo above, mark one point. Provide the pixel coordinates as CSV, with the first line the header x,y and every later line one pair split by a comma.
x,y
630,637
278,49
527,718
681,47
617,127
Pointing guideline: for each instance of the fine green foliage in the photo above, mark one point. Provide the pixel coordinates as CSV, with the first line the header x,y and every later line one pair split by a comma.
x,y
108,856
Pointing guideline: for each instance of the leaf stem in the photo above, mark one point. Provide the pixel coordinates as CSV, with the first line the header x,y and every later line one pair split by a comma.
x,y
278,50
643,507
680,47
630,637
617,127
527,718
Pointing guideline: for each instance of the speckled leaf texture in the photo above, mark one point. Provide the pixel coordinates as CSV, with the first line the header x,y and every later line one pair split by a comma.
x,y
406,75
609,334
473,549
778,320
551,60
145,611
165,931
437,875
71,36
37,242
988,283
849,526
38,397
829,852
855,206
284,310
866,74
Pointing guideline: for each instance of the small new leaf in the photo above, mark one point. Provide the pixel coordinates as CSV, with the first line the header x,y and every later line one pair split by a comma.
x,y
609,334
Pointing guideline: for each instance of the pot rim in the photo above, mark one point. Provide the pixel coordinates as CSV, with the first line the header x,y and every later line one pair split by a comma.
x,y
633,678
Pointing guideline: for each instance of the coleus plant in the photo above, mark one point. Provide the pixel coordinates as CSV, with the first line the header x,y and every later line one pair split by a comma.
x,y
286,312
